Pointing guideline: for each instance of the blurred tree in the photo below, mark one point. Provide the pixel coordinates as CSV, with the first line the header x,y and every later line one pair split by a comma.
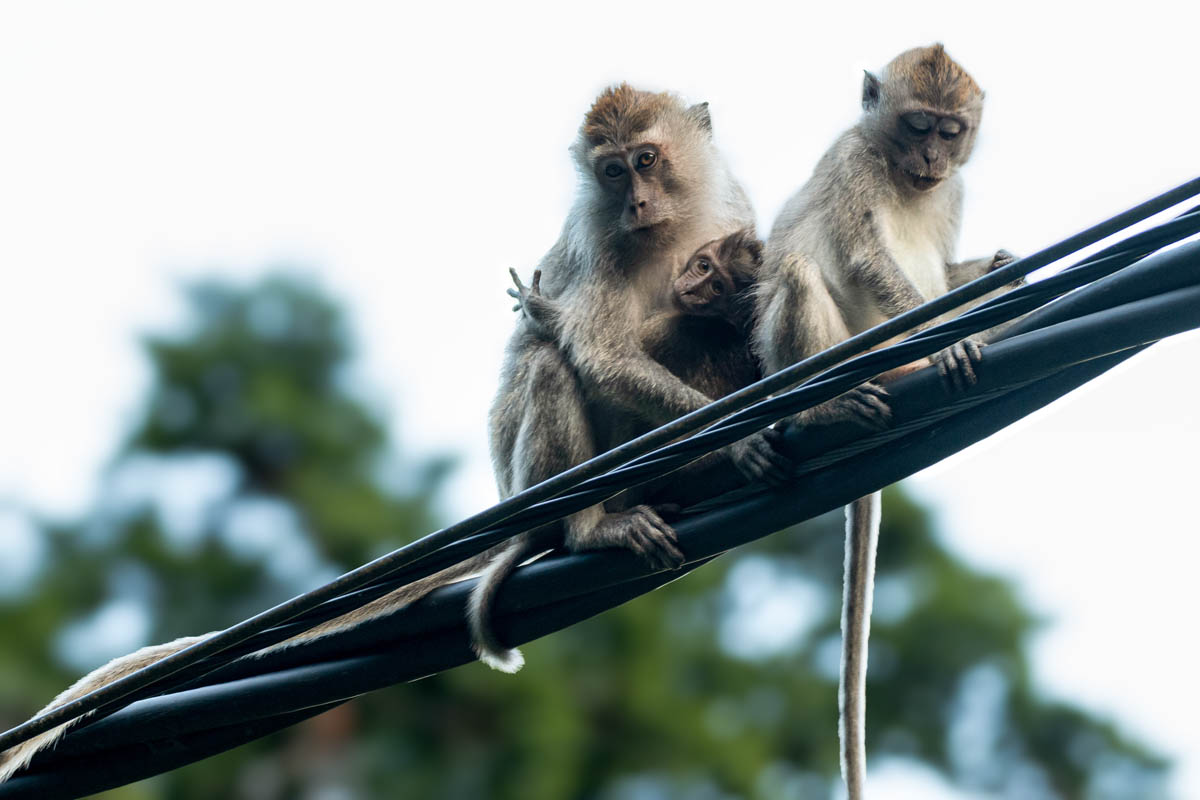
x,y
254,472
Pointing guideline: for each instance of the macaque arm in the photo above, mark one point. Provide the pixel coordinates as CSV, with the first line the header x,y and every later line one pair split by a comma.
x,y
967,271
869,264
655,333
609,358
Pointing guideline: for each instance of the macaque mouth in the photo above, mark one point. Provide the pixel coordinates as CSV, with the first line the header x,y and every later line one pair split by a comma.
x,y
644,221
922,182
685,301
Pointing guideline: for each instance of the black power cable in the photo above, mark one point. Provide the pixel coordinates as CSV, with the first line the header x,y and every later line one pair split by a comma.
x,y
1041,357
740,425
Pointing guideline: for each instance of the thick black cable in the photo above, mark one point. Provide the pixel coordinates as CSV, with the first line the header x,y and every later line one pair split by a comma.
x,y
1177,268
413,552
1155,299
657,463
158,727
666,459
1175,310
756,417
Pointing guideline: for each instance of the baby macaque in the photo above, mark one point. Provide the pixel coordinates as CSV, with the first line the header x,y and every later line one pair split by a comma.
x,y
704,339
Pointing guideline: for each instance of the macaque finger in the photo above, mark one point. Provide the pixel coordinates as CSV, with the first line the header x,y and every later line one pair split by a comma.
x,y
966,365
974,350
516,279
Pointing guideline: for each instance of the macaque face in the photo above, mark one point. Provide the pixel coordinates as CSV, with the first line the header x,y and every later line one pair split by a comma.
x,y
638,179
923,115
927,146
716,274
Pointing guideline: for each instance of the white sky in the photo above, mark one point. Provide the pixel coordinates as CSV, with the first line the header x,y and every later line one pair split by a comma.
x,y
408,158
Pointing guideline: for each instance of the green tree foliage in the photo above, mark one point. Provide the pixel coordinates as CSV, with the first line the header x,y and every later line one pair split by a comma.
x,y
719,685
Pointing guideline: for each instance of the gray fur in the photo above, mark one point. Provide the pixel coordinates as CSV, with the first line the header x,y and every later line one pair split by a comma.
x,y
591,384
871,235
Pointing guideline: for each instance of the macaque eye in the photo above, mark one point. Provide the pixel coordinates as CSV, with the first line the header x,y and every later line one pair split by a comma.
x,y
703,266
718,287
614,170
949,128
917,122
646,159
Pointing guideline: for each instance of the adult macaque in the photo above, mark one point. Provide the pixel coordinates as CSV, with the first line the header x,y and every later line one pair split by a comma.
x,y
652,190
871,235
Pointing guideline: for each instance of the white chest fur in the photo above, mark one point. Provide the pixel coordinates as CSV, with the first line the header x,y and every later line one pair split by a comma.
x,y
916,239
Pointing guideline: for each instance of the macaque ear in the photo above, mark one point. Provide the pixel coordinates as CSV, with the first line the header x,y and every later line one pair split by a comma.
x,y
754,247
870,92
699,112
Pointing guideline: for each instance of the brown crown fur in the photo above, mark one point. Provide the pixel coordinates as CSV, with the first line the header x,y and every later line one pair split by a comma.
x,y
934,77
621,112
743,273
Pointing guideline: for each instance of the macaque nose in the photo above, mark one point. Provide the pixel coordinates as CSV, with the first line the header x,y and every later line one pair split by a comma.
x,y
637,206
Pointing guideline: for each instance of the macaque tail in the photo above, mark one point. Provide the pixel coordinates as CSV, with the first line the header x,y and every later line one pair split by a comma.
x,y
862,536
483,598
16,758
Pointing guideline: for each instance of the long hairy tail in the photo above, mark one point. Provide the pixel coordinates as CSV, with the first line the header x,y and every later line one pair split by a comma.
x,y
16,758
862,536
487,647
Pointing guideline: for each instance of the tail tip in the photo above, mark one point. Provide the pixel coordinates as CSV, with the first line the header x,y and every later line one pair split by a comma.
x,y
507,661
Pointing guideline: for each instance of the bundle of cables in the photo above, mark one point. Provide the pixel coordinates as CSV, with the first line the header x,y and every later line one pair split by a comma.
x,y
1072,326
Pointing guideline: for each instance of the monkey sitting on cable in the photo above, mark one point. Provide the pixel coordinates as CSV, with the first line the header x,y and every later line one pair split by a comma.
x,y
872,235
652,190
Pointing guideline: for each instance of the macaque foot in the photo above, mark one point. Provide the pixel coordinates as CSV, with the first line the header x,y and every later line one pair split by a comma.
x,y
865,405
639,529
757,458
956,364
1002,259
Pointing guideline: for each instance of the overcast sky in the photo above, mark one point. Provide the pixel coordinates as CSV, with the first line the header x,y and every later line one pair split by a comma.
x,y
407,159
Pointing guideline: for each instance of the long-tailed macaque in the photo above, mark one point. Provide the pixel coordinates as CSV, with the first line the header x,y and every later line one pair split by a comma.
x,y
652,189
703,338
869,236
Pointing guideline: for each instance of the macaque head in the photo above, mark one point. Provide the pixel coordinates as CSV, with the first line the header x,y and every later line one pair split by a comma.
x,y
923,114
716,280
644,158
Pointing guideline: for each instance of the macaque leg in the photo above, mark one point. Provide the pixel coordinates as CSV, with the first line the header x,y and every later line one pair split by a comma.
x,y
801,321
554,435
